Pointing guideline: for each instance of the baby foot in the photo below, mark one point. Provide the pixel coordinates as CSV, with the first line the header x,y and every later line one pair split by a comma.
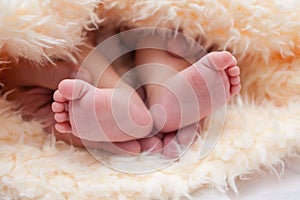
x,y
37,105
195,92
97,114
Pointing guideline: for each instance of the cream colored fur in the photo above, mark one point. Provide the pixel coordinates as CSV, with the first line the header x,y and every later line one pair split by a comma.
x,y
43,30
262,126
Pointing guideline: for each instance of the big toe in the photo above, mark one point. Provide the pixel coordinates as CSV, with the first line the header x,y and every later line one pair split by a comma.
x,y
219,60
73,89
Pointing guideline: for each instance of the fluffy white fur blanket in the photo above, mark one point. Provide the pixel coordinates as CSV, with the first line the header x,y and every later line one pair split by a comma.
x,y
262,126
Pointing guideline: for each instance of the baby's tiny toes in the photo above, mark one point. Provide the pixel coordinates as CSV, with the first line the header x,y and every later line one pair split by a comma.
x,y
58,97
235,89
233,71
63,127
58,107
61,117
234,80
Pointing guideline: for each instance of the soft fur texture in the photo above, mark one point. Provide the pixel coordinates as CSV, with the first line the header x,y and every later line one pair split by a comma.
x,y
262,126
42,30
